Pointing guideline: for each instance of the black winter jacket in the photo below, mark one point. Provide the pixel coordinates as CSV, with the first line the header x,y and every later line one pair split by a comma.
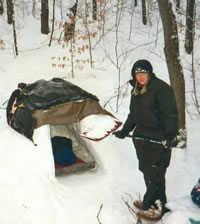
x,y
154,113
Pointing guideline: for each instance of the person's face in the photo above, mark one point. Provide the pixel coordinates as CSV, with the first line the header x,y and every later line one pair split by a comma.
x,y
142,78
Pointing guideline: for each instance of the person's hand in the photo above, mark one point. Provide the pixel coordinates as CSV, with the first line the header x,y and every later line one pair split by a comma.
x,y
119,134
171,142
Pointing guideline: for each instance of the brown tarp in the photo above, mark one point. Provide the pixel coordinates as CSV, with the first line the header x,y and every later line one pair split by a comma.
x,y
68,112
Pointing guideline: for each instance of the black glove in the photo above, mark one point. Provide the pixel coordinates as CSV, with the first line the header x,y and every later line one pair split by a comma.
x,y
171,142
119,134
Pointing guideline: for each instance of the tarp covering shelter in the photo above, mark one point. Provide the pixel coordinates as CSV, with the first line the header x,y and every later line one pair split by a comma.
x,y
60,104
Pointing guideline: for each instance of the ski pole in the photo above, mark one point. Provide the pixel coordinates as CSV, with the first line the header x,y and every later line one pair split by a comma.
x,y
148,140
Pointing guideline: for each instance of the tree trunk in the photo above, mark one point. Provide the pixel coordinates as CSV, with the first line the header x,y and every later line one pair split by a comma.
x,y
15,37
10,11
61,10
44,16
1,7
171,50
190,26
94,11
131,23
135,3
144,12
34,8
53,22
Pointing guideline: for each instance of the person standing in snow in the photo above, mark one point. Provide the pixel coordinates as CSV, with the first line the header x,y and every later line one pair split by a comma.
x,y
154,118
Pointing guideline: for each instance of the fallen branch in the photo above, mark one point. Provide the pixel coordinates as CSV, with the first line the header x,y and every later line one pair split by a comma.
x,y
99,214
133,212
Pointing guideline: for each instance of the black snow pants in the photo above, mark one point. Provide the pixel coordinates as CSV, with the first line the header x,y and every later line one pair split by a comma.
x,y
153,162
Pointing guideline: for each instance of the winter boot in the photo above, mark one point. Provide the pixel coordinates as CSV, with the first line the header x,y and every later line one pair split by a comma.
x,y
153,213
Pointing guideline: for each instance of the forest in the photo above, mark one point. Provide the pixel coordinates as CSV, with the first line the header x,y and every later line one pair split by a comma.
x,y
82,26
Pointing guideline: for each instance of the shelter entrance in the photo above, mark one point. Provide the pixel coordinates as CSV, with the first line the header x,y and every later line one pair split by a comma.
x,y
85,159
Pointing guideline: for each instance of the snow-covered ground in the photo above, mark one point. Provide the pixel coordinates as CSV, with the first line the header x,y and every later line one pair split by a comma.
x,y
29,191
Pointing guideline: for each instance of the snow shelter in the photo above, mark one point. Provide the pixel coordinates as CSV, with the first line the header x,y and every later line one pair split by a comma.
x,y
63,106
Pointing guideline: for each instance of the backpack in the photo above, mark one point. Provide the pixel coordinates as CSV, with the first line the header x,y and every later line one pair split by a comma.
x,y
195,193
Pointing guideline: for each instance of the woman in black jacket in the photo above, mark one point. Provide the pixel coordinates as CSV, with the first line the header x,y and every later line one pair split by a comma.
x,y
154,118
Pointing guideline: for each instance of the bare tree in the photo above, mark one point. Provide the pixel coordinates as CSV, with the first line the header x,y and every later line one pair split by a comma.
x,y
53,22
11,21
171,50
102,17
1,7
15,37
86,23
61,9
10,11
94,11
135,3
195,86
132,12
24,8
34,8
144,12
72,51
44,16
120,53
150,8
190,26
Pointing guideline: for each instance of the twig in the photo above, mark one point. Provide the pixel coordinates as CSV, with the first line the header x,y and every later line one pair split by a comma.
x,y
99,214
133,212
3,104
123,95
112,97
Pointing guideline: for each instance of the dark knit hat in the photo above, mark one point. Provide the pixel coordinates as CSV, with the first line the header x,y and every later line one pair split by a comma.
x,y
141,66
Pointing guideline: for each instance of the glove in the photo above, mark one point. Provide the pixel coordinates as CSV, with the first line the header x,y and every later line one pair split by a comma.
x,y
171,142
119,134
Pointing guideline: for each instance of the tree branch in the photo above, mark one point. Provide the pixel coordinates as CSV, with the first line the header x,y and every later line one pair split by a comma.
x,y
99,214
